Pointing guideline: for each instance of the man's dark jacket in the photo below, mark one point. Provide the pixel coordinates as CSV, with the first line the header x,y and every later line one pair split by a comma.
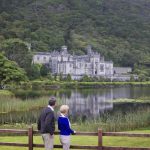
x,y
46,121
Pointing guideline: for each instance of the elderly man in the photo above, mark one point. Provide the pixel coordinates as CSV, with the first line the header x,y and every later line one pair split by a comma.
x,y
46,124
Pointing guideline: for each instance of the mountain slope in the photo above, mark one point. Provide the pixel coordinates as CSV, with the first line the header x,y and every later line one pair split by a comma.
x,y
118,29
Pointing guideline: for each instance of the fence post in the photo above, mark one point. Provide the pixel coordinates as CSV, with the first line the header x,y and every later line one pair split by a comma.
x,y
100,135
30,138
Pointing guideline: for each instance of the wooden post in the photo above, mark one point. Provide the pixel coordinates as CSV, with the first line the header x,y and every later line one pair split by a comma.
x,y
30,138
100,135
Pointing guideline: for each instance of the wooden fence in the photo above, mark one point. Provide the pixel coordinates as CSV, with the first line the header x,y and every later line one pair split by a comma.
x,y
30,132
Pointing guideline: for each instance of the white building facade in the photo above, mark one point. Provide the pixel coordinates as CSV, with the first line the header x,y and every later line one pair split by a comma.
x,y
92,64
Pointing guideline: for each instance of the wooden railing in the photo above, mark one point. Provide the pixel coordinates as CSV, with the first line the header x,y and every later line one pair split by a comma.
x,y
30,132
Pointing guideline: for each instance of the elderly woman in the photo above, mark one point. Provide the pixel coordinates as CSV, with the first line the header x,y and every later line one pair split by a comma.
x,y
65,127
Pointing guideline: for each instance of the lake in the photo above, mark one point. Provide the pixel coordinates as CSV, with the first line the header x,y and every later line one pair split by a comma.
x,y
86,103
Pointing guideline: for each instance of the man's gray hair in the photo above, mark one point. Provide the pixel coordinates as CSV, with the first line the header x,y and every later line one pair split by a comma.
x,y
52,101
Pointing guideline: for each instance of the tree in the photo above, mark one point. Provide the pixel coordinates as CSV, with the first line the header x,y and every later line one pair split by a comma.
x,y
142,77
86,78
61,77
10,72
34,71
44,70
68,78
55,76
50,77
132,78
17,50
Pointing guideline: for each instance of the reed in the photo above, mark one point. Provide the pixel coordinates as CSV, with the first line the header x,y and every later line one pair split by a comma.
x,y
15,110
117,121
145,100
4,93
109,122
13,104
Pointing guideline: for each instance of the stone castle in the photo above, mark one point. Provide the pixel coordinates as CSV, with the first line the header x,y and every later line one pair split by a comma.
x,y
91,64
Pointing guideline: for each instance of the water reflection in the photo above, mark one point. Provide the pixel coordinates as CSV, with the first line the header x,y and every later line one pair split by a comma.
x,y
93,102
90,105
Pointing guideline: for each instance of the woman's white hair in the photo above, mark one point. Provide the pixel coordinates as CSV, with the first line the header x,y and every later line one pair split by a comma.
x,y
64,109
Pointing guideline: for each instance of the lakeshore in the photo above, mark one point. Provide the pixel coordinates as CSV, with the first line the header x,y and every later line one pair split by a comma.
x,y
125,107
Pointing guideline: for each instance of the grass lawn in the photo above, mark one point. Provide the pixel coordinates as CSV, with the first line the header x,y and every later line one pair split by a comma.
x,y
83,140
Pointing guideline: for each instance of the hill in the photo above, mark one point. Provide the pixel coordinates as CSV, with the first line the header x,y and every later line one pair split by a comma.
x,y
118,29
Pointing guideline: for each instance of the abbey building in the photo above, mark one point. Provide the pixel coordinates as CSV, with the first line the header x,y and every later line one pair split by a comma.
x,y
91,64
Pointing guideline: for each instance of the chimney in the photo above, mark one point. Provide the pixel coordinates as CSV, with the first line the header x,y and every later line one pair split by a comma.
x,y
89,49
64,48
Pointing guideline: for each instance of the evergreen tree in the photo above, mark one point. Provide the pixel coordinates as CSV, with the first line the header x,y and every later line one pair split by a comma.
x,y
68,78
44,70
34,71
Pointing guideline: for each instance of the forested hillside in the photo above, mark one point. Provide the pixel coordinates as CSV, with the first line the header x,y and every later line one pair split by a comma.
x,y
118,29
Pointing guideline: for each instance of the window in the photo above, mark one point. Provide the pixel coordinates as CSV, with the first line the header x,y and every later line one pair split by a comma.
x,y
80,65
44,58
102,68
